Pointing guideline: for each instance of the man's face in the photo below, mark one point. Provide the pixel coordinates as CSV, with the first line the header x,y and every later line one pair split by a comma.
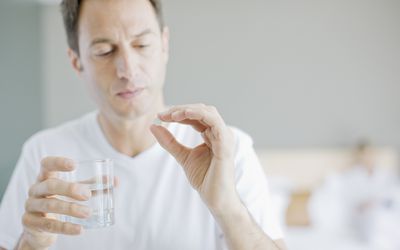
x,y
123,55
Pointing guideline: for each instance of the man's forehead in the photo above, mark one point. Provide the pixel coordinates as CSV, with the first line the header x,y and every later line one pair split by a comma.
x,y
103,12
113,7
133,19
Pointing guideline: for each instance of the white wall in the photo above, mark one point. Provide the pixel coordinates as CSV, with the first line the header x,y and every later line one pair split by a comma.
x,y
291,73
65,96
20,81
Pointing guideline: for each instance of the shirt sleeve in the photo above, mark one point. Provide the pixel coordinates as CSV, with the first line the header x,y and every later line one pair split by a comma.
x,y
13,203
252,187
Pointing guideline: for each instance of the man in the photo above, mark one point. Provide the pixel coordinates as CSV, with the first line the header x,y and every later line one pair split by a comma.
x,y
218,199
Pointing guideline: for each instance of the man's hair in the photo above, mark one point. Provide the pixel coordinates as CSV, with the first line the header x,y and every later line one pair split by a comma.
x,y
70,10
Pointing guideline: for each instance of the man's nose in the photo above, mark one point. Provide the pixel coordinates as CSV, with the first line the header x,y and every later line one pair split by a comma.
x,y
126,64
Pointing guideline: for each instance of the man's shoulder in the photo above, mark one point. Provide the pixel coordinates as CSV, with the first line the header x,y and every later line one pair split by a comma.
x,y
64,131
241,136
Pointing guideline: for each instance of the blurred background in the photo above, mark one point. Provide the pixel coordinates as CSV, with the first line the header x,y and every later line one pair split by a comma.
x,y
315,83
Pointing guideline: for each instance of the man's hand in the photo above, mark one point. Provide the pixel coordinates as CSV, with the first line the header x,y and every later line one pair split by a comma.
x,y
210,170
209,166
40,223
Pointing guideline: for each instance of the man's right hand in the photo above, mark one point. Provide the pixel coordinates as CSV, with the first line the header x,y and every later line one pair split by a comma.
x,y
40,223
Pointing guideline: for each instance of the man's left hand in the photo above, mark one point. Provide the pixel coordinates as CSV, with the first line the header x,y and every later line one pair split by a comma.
x,y
209,166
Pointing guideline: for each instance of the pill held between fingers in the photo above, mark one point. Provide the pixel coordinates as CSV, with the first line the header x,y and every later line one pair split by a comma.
x,y
157,122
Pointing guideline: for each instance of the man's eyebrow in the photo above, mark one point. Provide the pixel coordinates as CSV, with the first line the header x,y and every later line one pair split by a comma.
x,y
144,32
100,40
106,40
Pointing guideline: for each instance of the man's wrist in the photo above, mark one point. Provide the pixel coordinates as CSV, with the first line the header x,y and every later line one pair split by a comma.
x,y
23,243
232,209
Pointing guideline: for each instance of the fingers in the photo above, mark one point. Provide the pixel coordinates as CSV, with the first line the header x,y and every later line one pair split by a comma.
x,y
205,119
40,223
169,143
204,116
52,205
51,165
116,181
197,125
54,186
180,114
200,116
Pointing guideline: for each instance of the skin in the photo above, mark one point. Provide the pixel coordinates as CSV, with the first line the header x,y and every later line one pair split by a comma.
x,y
123,50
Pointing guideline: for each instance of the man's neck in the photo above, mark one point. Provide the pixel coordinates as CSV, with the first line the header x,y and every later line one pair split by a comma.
x,y
129,137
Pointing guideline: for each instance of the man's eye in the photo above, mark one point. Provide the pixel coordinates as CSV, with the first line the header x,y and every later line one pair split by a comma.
x,y
104,53
142,46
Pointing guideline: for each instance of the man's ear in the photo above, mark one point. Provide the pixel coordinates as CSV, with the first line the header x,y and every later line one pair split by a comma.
x,y
165,42
75,61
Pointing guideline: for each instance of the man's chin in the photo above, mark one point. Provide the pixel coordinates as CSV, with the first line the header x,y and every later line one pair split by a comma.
x,y
132,113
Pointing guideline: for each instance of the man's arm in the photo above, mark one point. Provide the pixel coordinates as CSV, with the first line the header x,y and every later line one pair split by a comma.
x,y
242,232
209,168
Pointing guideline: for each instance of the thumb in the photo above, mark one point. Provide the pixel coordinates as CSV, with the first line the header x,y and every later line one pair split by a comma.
x,y
169,143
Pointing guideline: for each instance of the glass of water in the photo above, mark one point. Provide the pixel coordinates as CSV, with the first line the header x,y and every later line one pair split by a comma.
x,y
98,175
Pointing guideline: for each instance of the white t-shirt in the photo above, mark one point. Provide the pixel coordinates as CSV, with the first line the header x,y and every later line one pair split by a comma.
x,y
155,206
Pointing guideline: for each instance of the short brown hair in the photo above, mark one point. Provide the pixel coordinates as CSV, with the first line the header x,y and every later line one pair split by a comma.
x,y
70,10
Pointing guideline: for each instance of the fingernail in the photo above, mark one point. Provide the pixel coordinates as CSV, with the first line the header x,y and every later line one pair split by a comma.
x,y
84,191
76,229
70,164
86,211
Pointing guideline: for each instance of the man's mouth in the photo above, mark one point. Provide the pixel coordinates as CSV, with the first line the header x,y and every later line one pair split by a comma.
x,y
129,94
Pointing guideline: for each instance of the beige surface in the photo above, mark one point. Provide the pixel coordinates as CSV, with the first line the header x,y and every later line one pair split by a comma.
x,y
306,168
297,210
